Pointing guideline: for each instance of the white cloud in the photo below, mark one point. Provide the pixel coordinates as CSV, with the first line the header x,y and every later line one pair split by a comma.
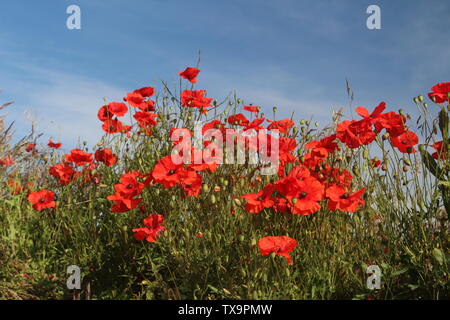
x,y
64,105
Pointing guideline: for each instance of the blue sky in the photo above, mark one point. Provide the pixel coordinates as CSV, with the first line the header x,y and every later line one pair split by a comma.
x,y
290,53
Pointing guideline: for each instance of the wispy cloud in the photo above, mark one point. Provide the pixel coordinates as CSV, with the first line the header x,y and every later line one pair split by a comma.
x,y
64,105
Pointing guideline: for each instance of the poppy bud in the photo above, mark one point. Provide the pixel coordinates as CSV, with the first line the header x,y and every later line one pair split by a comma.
x,y
416,100
307,122
294,201
384,167
238,100
401,112
254,242
215,102
421,148
421,205
425,105
405,169
385,136
237,201
205,187
230,103
157,191
316,124
302,122
275,109
407,162
421,98
241,238
366,154
356,171
225,183
295,130
213,199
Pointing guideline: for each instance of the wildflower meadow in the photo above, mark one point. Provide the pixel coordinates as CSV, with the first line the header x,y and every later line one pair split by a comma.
x,y
188,196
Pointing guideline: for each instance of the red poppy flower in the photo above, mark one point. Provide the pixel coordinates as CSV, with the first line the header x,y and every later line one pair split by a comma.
x,y
64,172
256,202
340,199
106,156
304,196
123,204
129,186
195,99
52,144
118,109
165,172
153,227
440,151
281,245
135,99
42,199
374,115
79,157
253,109
114,126
146,91
405,142
440,92
393,122
355,133
238,119
376,163
146,120
6,162
104,114
30,147
255,124
281,125
190,74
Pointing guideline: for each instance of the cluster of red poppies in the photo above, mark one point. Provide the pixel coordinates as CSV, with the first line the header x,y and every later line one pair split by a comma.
x,y
309,184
